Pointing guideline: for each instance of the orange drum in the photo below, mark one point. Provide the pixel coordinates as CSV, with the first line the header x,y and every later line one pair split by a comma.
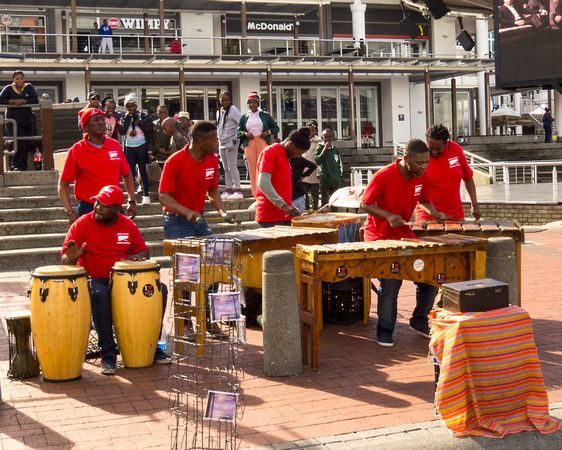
x,y
60,320
347,224
136,308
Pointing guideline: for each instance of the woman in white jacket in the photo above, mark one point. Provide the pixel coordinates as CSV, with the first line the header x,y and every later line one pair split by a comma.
x,y
228,118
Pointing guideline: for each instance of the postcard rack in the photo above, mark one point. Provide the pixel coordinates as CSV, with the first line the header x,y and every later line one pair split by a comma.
x,y
204,382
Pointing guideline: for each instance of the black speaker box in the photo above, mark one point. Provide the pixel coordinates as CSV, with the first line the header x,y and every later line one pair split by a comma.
x,y
437,8
466,40
475,295
410,27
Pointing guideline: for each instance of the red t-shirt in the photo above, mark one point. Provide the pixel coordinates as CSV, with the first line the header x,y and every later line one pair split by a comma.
x,y
189,181
274,160
389,190
445,175
92,168
104,245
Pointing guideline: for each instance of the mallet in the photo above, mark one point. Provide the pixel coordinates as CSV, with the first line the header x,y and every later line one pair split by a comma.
x,y
227,219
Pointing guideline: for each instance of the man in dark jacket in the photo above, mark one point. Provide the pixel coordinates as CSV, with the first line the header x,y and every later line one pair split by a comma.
x,y
19,93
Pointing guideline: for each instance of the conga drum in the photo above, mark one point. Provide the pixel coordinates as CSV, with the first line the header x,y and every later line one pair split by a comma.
x,y
136,308
347,224
60,320
22,356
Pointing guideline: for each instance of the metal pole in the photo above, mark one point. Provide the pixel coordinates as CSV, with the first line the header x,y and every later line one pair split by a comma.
x,y
244,47
74,27
352,134
87,80
182,89
162,29
321,27
146,40
487,98
64,32
47,133
427,81
454,108
270,91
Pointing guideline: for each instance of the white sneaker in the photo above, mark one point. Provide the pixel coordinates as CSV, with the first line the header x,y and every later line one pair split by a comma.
x,y
253,206
139,189
236,196
145,201
225,195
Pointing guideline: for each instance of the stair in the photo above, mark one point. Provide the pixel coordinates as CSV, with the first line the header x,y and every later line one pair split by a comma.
x,y
33,224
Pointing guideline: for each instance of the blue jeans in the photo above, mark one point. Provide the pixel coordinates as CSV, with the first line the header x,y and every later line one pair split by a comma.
x,y
178,227
100,298
387,305
139,156
299,203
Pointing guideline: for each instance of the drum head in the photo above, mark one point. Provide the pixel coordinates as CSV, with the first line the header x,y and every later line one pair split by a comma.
x,y
18,315
59,271
128,264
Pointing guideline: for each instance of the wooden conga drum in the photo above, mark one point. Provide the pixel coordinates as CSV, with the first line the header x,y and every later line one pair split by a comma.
x,y
60,320
347,224
22,356
136,307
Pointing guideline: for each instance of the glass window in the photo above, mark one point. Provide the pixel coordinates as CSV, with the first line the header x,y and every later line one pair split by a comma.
x,y
194,102
150,99
442,112
213,102
367,116
309,105
288,111
345,115
172,100
329,109
122,93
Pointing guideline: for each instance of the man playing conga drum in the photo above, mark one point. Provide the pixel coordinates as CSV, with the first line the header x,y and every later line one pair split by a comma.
x,y
390,199
97,241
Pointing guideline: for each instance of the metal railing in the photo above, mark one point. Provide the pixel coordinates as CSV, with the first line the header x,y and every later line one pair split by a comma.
x,y
135,43
361,176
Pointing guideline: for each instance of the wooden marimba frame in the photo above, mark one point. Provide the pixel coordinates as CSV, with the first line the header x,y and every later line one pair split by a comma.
x,y
433,260
478,228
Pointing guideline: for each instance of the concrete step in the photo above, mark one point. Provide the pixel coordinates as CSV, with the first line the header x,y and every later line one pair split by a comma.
x,y
60,223
31,178
35,201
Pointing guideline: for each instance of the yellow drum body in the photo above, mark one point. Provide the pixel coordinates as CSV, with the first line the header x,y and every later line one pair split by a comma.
x,y
347,224
136,307
60,320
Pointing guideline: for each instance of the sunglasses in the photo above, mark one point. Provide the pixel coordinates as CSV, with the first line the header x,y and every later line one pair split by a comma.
x,y
95,98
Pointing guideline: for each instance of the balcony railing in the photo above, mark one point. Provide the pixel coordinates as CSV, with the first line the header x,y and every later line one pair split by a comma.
x,y
132,43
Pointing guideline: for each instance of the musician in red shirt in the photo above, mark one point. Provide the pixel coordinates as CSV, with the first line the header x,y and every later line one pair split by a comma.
x,y
390,199
96,241
446,168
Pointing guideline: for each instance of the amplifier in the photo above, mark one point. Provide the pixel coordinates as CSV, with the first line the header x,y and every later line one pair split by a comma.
x,y
475,295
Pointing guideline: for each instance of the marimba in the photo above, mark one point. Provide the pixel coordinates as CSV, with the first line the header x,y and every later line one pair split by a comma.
x,y
433,260
478,228
256,242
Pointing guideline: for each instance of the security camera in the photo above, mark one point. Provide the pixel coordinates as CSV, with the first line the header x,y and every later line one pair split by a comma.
x,y
426,14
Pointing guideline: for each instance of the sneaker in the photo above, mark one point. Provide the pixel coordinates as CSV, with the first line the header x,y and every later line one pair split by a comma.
x,y
424,331
385,341
145,200
236,196
161,358
139,189
107,368
225,195
253,206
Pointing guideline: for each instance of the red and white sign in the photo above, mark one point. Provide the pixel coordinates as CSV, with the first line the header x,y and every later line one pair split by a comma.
x,y
114,23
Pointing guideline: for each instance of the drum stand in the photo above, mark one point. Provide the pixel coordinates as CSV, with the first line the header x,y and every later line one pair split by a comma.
x,y
204,384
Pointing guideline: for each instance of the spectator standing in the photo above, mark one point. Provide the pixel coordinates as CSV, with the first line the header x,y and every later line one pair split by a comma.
x,y
300,168
185,122
547,120
255,130
176,138
94,162
228,118
159,141
188,177
330,166
310,182
275,190
137,127
95,38
106,40
112,117
19,93
390,199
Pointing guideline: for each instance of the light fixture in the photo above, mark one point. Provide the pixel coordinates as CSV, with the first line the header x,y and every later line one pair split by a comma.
x,y
464,38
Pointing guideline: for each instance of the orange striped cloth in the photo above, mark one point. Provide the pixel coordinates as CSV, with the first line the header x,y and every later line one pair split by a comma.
x,y
490,382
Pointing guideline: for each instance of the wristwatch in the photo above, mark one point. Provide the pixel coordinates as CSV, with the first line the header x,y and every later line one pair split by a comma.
x,y
132,202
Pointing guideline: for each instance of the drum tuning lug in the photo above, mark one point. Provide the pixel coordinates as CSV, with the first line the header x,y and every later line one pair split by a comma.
x,y
73,293
43,293
29,292
132,285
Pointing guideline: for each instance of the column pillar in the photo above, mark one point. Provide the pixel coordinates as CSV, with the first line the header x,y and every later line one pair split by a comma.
x,y
482,52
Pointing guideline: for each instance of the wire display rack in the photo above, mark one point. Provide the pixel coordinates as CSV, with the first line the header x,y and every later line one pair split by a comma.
x,y
207,369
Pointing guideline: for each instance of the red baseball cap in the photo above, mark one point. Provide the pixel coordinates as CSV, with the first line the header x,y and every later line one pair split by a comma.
x,y
110,195
86,114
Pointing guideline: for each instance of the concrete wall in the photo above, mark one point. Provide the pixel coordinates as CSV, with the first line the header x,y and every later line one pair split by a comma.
x,y
400,105
418,113
198,25
443,37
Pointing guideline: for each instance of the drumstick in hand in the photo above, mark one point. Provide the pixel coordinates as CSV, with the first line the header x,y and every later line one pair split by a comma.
x,y
227,219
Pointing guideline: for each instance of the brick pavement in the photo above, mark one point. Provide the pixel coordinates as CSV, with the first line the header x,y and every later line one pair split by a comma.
x,y
360,386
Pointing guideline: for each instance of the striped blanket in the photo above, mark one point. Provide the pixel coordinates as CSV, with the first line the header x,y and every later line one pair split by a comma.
x,y
490,382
